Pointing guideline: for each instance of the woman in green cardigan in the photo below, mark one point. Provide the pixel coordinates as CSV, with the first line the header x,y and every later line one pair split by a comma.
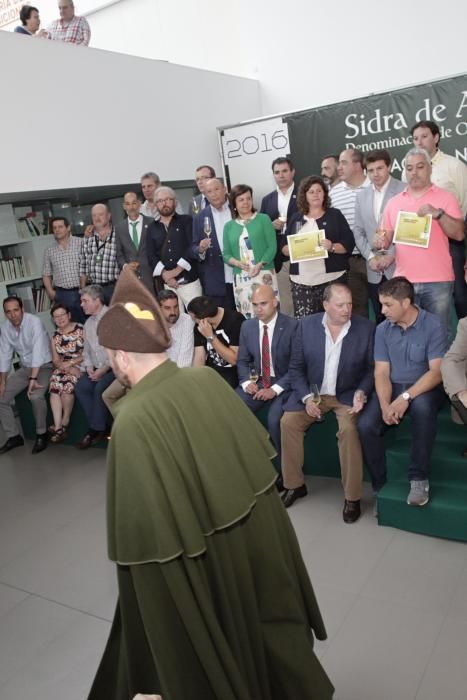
x,y
250,245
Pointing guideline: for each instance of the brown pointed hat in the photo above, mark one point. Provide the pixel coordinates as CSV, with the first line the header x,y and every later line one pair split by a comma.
x,y
134,321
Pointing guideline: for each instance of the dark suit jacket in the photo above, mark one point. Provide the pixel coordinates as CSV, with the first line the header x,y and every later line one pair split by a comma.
x,y
126,250
356,364
269,206
211,268
169,246
249,352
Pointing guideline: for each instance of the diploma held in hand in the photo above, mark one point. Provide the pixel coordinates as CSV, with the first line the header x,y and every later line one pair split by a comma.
x,y
412,229
306,245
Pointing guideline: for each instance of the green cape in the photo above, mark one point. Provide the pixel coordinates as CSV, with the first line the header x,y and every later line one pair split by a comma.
x,y
215,601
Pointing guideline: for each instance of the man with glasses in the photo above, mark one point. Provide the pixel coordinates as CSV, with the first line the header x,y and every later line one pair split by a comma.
x,y
169,248
202,175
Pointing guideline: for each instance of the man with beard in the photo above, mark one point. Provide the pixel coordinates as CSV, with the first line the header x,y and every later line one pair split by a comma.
x,y
169,248
210,575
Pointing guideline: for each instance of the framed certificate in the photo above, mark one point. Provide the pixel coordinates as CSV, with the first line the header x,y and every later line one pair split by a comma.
x,y
306,245
412,229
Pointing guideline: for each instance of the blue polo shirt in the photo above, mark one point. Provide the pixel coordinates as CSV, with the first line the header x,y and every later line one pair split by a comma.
x,y
409,351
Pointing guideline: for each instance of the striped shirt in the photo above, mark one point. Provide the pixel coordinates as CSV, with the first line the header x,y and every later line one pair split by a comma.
x,y
181,350
344,197
62,263
98,261
76,31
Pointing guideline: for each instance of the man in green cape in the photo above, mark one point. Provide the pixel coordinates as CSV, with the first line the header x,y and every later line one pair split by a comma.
x,y
214,599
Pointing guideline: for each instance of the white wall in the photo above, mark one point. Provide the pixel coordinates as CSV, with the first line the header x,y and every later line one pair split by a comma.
x,y
74,116
304,53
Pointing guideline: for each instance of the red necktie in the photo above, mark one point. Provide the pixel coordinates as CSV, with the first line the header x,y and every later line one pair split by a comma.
x,y
265,359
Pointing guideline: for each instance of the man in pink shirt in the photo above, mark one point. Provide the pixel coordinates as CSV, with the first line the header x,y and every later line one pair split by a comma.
x,y
429,269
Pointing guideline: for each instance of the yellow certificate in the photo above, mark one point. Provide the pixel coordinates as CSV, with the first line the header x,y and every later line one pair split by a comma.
x,y
412,229
306,245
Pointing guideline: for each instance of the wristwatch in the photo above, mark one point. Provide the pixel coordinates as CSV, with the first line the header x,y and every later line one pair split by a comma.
x,y
210,338
440,213
406,396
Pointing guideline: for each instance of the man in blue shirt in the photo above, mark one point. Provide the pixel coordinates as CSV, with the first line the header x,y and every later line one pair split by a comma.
x,y
409,347
26,335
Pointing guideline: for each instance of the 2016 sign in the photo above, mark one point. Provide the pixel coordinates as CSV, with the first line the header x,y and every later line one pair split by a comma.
x,y
263,142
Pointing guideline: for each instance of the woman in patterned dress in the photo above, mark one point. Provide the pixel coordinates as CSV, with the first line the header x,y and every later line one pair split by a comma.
x,y
67,353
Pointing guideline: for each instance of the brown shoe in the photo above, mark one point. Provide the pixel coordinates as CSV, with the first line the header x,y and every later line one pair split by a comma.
x,y
351,512
59,436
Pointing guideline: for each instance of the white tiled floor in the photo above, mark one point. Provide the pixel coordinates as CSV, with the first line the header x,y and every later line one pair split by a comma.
x,y
395,603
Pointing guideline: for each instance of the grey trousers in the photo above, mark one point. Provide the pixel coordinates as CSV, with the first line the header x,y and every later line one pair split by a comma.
x,y
15,383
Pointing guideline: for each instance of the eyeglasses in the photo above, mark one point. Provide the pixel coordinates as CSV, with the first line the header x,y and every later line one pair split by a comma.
x,y
56,316
166,199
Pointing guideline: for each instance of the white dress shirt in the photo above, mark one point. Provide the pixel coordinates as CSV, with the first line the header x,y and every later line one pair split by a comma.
x,y
220,217
378,197
94,354
181,350
271,325
30,341
332,356
283,200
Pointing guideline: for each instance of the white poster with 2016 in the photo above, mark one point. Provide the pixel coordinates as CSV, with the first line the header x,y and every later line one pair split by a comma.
x,y
249,150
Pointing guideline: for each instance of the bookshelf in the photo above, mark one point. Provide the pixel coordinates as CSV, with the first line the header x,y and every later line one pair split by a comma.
x,y
24,236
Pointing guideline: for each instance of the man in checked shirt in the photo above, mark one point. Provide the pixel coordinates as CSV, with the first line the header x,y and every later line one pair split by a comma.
x,y
69,28
98,262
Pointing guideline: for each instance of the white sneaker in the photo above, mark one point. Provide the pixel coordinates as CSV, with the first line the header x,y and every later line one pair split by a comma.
x,y
419,493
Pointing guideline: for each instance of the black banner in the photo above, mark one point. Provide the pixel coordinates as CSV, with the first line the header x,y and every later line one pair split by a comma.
x,y
380,121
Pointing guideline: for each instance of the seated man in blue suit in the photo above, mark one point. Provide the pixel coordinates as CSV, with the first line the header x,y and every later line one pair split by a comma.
x,y
331,369
264,351
208,246
281,203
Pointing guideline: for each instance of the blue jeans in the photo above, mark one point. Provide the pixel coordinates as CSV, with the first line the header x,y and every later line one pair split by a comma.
x,y
89,394
436,298
423,411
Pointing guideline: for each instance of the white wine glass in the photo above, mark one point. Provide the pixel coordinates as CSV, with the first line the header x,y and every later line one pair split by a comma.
x,y
207,227
254,374
315,396
195,206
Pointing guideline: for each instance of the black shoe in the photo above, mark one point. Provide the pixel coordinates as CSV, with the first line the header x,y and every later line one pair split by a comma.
x,y
40,444
280,484
351,512
11,443
90,439
291,495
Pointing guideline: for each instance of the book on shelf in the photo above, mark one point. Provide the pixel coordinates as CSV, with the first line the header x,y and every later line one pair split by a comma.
x,y
31,224
33,296
13,268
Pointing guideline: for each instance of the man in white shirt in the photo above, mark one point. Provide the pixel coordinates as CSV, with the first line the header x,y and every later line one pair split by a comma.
x,y
281,203
331,369
181,329
26,335
369,209
343,197
216,277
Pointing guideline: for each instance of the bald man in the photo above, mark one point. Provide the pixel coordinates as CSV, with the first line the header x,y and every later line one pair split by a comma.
x,y
131,237
98,262
264,350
